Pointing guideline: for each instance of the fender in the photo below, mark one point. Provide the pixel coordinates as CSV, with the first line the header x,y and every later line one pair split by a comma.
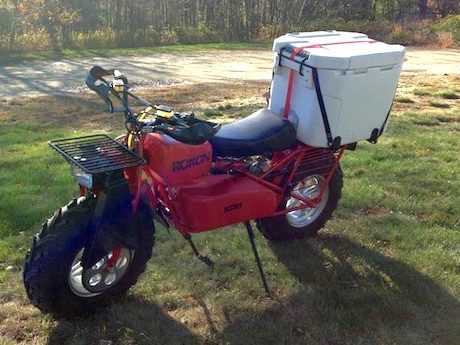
x,y
113,224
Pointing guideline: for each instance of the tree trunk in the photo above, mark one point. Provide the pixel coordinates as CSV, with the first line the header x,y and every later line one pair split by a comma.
x,y
423,8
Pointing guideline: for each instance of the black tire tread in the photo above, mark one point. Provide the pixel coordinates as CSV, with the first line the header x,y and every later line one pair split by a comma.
x,y
46,266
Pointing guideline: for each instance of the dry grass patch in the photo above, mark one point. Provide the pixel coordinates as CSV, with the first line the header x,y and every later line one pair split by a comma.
x,y
427,90
223,101
18,318
20,323
71,112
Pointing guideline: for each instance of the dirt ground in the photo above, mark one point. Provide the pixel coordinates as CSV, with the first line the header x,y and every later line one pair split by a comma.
x,y
163,69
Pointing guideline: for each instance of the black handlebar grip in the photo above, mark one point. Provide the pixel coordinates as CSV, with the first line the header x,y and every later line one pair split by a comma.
x,y
98,72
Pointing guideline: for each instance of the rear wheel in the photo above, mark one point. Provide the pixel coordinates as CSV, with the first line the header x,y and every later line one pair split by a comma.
x,y
54,278
308,221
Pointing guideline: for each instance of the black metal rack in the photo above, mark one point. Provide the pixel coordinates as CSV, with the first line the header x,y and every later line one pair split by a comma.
x,y
96,153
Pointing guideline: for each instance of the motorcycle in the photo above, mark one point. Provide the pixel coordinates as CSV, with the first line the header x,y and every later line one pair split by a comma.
x,y
183,172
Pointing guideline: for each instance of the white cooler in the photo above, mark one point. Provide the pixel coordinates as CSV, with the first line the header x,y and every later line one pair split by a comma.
x,y
343,85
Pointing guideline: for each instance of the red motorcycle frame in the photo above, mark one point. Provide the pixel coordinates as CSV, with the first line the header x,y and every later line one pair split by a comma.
x,y
146,182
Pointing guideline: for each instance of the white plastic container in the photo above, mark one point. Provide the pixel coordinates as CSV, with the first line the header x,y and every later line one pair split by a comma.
x,y
356,79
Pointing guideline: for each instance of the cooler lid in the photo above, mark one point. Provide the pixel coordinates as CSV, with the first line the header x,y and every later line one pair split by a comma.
x,y
339,50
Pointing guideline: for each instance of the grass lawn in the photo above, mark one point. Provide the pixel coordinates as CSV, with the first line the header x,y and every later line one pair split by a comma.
x,y
385,270
14,58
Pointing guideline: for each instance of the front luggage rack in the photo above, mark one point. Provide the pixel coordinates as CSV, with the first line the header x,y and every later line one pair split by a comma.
x,y
96,153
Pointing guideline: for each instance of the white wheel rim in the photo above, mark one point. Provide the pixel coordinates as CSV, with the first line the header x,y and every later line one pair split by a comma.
x,y
310,188
100,274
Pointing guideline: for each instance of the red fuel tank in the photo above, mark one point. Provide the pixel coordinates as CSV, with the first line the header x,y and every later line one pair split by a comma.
x,y
174,161
213,201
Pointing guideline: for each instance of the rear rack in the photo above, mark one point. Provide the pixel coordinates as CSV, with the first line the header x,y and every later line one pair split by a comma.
x,y
315,161
96,153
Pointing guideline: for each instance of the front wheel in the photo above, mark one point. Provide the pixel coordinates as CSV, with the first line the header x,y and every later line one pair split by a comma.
x,y
308,221
54,278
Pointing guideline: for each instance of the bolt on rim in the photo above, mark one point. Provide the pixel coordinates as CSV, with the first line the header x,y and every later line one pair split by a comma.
x,y
102,275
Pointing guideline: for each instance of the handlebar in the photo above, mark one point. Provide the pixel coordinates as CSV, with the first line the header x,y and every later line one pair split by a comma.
x,y
120,85
98,72
182,127
119,88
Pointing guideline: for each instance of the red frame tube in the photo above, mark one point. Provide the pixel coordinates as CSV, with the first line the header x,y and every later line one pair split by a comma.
x,y
281,160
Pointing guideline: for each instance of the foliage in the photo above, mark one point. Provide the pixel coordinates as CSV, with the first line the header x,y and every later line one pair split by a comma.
x,y
450,24
36,25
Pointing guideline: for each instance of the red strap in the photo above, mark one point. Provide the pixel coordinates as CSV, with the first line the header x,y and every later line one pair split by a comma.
x,y
287,104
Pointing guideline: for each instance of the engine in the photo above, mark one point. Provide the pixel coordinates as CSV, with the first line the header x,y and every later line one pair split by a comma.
x,y
257,165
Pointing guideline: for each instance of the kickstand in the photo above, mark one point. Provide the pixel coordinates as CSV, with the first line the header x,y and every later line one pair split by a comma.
x,y
203,258
256,254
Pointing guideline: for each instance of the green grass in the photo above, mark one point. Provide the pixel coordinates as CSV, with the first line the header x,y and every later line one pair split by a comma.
x,y
438,103
449,95
404,99
15,58
213,112
225,107
422,92
385,270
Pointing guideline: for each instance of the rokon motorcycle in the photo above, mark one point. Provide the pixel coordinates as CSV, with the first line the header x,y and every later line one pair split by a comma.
x,y
186,173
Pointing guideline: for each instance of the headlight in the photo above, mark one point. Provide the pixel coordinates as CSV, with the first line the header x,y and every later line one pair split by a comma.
x,y
81,177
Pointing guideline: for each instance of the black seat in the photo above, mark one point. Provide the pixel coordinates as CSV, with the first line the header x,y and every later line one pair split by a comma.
x,y
261,132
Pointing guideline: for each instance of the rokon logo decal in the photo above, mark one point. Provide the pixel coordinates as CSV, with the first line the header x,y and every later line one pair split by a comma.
x,y
233,207
190,162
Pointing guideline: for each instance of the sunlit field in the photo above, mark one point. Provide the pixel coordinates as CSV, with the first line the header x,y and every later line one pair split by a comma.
x,y
386,269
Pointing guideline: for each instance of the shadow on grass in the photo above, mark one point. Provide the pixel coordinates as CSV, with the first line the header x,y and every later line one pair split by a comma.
x,y
351,294
347,294
132,321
